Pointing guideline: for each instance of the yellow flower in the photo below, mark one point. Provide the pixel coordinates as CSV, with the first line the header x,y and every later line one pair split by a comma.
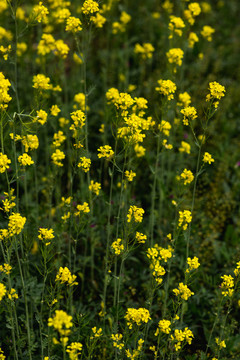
x,y
57,157
183,291
185,147
135,214
25,160
187,176
46,235
175,25
227,285
189,114
84,164
12,294
74,350
6,268
3,291
137,316
4,161
166,88
207,158
130,175
117,338
193,264
216,93
117,246
95,187
141,238
40,12
175,56
61,322
73,24
207,32
90,7
163,326
64,276
105,152
82,208
221,344
16,224
41,82
41,117
30,142
55,110
58,138
185,217
145,51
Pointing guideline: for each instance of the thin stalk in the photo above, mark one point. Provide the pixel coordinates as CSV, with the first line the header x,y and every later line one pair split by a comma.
x,y
152,216
26,303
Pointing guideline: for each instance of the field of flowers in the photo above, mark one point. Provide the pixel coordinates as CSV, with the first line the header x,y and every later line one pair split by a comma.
x,y
119,180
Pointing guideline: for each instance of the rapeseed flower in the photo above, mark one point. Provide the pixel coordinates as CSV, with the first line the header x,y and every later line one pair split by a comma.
x,y
64,276
135,214
117,246
137,316
183,291
25,160
207,158
166,88
4,161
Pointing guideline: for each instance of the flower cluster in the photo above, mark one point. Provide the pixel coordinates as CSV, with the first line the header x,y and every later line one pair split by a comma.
x,y
145,51
84,164
207,32
46,235
183,291
3,291
185,217
4,161
5,268
163,326
175,26
207,158
90,7
117,246
57,157
187,176
227,285
25,160
130,175
62,322
82,208
105,152
64,276
74,350
135,214
40,12
137,316
141,238
73,25
41,82
189,114
175,56
95,187
157,255
4,88
193,264
16,224
192,11
166,88
117,338
216,93
180,336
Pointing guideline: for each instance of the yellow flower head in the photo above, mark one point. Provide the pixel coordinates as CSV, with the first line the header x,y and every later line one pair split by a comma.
x,y
166,88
